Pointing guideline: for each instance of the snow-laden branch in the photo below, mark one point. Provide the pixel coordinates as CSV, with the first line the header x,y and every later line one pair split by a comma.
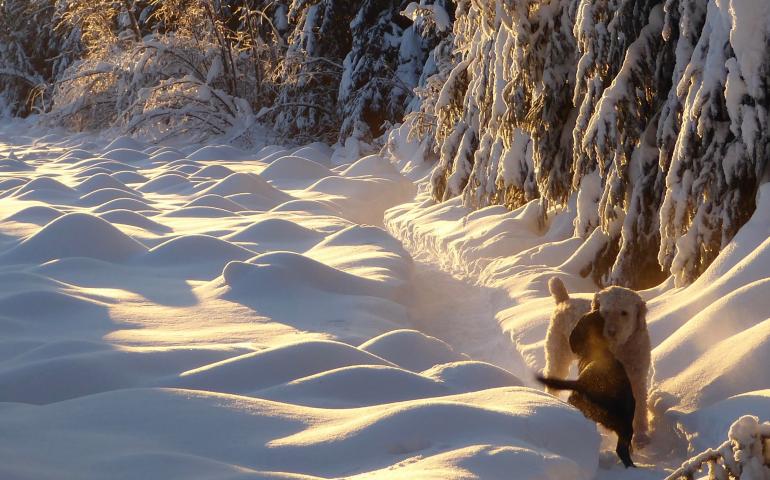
x,y
744,456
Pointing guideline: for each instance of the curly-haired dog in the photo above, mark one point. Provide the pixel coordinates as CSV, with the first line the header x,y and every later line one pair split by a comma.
x,y
602,390
558,355
625,328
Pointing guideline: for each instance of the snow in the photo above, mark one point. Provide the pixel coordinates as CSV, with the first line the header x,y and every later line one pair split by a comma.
x,y
258,315
411,350
294,171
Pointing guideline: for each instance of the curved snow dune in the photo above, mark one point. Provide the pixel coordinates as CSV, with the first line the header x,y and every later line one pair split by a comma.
x,y
75,235
128,271
90,436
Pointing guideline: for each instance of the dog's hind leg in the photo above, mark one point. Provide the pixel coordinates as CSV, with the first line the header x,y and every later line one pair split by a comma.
x,y
624,451
558,357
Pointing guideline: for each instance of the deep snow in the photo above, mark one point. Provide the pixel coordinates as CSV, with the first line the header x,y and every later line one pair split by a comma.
x,y
205,312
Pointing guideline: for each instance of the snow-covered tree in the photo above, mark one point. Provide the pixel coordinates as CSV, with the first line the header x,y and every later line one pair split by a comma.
x,y
389,50
311,70
539,96
660,129
720,152
370,92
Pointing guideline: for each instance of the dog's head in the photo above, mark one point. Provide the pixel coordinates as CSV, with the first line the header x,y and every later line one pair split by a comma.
x,y
624,313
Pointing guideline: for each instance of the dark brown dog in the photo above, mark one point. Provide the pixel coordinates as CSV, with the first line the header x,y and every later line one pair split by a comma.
x,y
602,390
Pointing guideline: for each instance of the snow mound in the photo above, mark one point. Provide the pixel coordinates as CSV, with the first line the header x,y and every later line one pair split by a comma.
x,y
363,235
129,217
43,185
469,376
216,201
366,251
101,181
419,428
129,177
72,155
274,366
294,171
246,183
14,165
743,261
275,231
183,162
115,166
186,169
374,165
217,152
713,422
75,235
414,439
167,183
41,306
380,193
281,271
124,142
104,195
90,172
355,386
38,214
216,172
268,150
125,155
166,156
7,184
124,204
411,349
311,206
274,155
316,152
98,369
86,164
253,201
201,212
708,378
196,249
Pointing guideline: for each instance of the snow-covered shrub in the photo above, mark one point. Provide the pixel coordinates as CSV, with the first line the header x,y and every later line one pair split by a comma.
x,y
199,73
744,456
161,87
33,52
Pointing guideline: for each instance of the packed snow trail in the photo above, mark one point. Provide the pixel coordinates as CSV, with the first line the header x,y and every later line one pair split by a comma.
x,y
463,315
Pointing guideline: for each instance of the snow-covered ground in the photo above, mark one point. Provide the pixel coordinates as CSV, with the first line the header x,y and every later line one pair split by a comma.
x,y
209,313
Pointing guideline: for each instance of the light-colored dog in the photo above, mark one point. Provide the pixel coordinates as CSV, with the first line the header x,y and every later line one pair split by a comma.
x,y
558,355
625,328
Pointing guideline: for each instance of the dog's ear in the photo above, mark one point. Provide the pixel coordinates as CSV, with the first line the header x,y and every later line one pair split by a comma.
x,y
641,315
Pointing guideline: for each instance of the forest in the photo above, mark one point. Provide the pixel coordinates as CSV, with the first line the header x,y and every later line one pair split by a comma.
x,y
651,116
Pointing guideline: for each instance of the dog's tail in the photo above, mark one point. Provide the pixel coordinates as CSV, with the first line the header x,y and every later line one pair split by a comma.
x,y
557,384
558,291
